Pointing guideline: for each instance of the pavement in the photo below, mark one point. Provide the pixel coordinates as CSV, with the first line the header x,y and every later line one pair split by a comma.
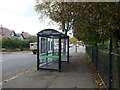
x,y
74,75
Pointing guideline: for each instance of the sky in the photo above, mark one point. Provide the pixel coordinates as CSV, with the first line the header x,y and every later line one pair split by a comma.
x,y
20,15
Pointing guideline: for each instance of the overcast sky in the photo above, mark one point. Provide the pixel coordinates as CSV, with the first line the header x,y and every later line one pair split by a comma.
x,y
20,15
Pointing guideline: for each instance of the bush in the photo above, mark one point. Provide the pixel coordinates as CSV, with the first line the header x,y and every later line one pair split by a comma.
x,y
13,43
31,39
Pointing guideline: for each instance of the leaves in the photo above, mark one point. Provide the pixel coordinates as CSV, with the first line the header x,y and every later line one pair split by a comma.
x,y
31,39
92,22
13,43
73,40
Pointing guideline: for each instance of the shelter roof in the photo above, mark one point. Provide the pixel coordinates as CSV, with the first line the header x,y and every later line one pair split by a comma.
x,y
50,33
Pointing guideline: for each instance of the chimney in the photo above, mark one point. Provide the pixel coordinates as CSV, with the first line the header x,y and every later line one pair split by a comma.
x,y
22,32
2,30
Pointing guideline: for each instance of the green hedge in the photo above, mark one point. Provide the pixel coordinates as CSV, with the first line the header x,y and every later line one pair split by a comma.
x,y
13,43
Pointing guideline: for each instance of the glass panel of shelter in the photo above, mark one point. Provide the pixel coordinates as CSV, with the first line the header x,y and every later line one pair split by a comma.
x,y
64,51
49,53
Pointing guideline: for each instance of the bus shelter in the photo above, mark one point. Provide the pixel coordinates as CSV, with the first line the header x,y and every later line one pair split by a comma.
x,y
52,49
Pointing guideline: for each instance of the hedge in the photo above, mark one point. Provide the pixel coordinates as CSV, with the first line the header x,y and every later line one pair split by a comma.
x,y
13,43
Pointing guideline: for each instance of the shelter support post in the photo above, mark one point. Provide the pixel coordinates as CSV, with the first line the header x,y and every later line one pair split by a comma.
x,y
60,54
37,52
68,50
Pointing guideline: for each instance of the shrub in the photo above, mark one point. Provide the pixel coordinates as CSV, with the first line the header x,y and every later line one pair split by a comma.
x,y
13,43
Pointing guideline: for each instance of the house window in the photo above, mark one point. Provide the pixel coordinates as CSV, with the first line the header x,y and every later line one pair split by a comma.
x,y
12,34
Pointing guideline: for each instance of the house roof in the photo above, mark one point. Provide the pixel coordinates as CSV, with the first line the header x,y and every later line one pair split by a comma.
x,y
6,32
25,34
20,34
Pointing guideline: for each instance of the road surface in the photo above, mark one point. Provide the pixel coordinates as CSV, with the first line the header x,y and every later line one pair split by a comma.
x,y
17,62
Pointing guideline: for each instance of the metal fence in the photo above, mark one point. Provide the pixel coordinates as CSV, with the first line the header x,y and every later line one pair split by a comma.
x,y
103,61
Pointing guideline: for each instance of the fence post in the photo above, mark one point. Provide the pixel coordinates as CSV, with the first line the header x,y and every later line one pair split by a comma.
x,y
110,66
92,53
96,57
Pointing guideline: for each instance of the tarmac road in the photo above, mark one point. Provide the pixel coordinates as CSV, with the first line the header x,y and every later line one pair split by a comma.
x,y
17,62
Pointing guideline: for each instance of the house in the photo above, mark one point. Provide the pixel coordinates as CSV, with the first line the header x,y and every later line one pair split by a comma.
x,y
6,33
20,36
25,34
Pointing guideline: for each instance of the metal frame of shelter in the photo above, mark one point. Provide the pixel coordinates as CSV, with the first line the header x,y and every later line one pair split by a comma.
x,y
52,49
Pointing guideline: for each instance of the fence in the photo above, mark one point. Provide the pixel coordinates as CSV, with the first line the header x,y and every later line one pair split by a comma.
x,y
104,62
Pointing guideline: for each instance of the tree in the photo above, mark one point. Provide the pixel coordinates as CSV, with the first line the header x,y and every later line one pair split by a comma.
x,y
31,39
91,19
60,12
73,40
